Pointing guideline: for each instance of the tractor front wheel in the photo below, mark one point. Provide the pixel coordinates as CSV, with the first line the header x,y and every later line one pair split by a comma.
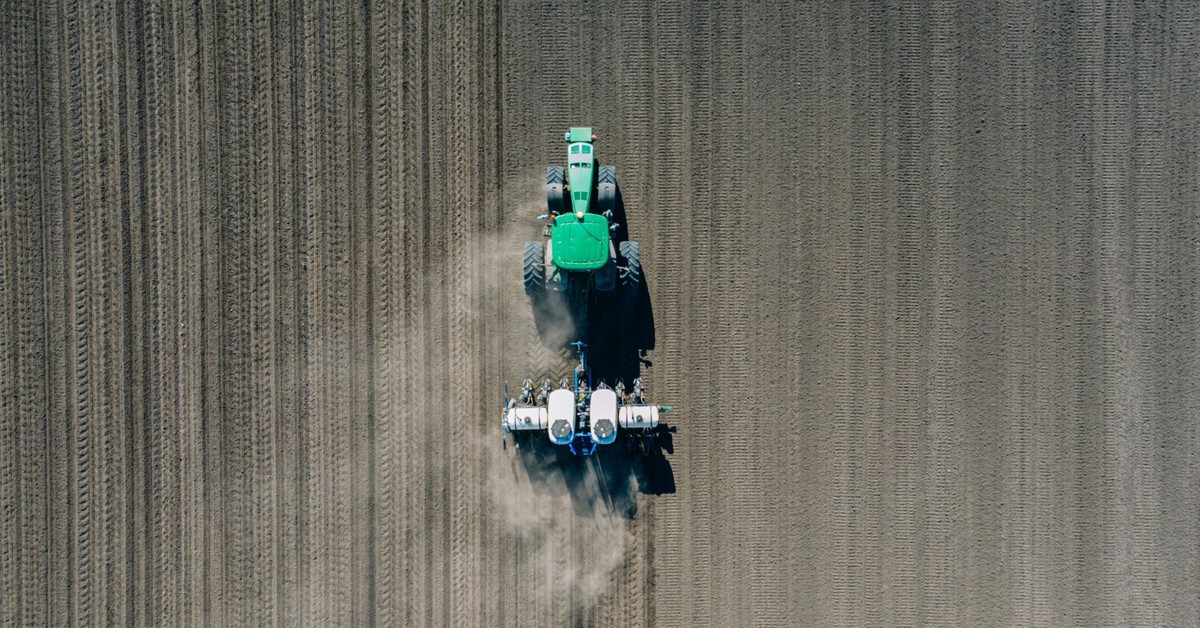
x,y
555,201
606,188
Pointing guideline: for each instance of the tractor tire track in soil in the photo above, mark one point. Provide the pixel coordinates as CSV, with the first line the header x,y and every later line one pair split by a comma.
x,y
921,285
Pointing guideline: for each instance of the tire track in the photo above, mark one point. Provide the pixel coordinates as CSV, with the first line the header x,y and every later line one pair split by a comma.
x,y
189,483
262,316
23,376
465,298
56,192
630,57
163,312
110,342
236,290
415,236
313,379
11,550
339,94
10,497
286,361
387,200
362,482
87,418
212,73
441,516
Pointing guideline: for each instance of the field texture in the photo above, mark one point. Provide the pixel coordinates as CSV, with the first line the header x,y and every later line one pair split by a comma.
x,y
923,287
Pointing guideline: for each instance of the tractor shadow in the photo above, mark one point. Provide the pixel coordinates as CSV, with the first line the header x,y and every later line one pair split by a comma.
x,y
608,481
620,333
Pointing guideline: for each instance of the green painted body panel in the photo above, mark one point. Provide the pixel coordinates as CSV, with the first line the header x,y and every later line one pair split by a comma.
x,y
581,162
580,245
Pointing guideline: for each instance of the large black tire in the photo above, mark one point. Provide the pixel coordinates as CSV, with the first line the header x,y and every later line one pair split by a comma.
x,y
535,268
606,188
555,200
630,272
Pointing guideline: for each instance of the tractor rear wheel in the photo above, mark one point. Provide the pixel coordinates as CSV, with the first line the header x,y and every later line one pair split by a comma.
x,y
630,277
606,188
554,190
535,268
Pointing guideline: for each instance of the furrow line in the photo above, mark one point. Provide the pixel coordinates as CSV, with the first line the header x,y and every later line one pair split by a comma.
x,y
211,195
285,357
870,226
1181,467
913,364
1021,372
703,300
737,437
664,213
192,549
802,282
1087,73
1056,471
837,430
1151,229
940,594
843,331
314,447
1119,590
636,85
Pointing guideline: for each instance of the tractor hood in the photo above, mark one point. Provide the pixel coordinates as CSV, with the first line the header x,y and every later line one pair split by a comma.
x,y
580,244
581,160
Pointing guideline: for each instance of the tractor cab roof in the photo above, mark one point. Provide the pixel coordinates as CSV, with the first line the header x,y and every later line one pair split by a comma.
x,y
579,134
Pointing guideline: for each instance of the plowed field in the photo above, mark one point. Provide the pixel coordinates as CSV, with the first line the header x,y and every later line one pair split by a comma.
x,y
923,288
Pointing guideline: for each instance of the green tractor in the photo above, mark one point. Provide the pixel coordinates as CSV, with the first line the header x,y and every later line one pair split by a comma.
x,y
581,256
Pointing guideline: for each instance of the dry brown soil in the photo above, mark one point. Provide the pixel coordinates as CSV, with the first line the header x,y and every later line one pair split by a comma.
x,y
923,288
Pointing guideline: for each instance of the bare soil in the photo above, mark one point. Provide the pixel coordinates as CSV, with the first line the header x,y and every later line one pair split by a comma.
x,y
923,287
